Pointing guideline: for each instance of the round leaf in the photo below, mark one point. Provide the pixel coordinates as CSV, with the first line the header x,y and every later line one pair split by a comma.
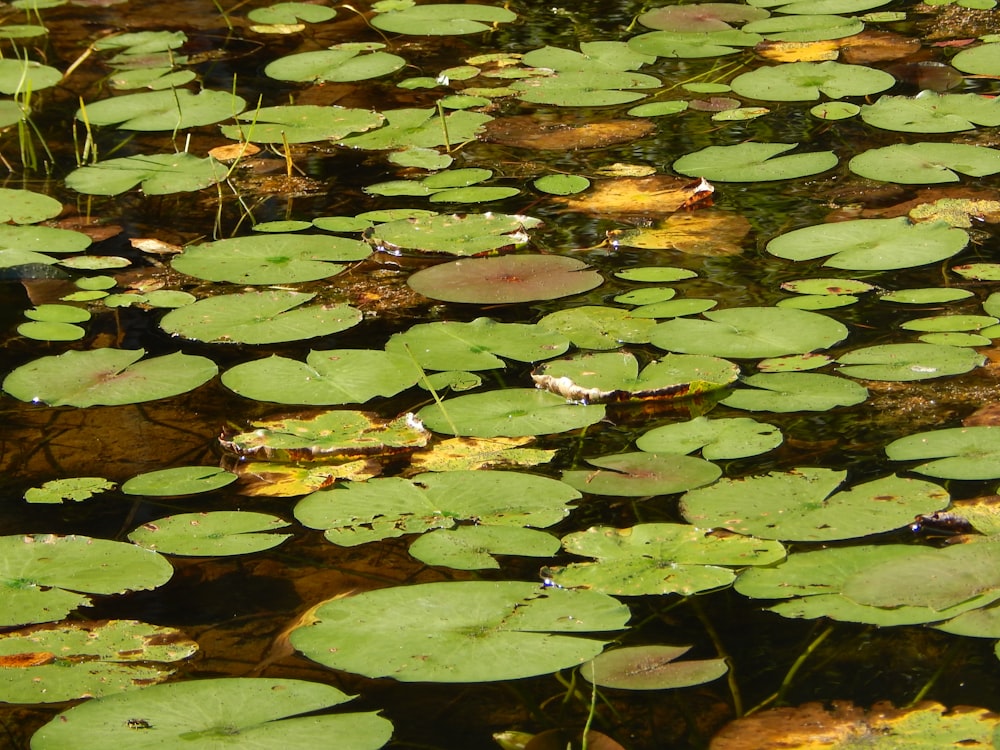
x,y
512,412
795,391
959,452
717,438
903,362
650,668
925,163
805,81
753,162
219,533
642,474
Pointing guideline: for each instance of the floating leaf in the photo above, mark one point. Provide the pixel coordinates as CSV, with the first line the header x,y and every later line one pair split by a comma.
x,y
750,332
219,533
705,233
464,235
41,574
944,323
270,258
465,631
156,174
74,489
960,452
180,480
473,547
904,362
925,163
340,63
419,128
462,454
335,376
871,244
700,16
258,318
795,391
594,327
804,505
242,712
805,28
27,207
109,377
805,81
658,558
716,438
304,123
291,12
981,60
654,194
753,162
693,44
615,376
931,112
26,76
174,109
511,412
507,279
642,474
86,660
442,19
651,667
561,184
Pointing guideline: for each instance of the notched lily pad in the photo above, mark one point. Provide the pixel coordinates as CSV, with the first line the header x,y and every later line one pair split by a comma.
x,y
753,162
215,534
642,474
958,452
462,235
806,81
716,438
651,667
905,362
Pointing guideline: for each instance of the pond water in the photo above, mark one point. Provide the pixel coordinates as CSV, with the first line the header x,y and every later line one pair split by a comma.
x,y
789,407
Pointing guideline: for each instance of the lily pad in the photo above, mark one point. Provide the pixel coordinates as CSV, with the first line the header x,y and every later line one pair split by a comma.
x,y
155,174
871,244
700,16
477,345
716,438
384,508
983,59
959,452
465,235
805,28
26,206
335,376
420,128
74,489
615,376
659,558
241,712
651,667
507,279
180,480
110,377
218,533
474,547
925,163
750,332
86,660
693,44
596,327
444,19
904,362
173,109
461,454
805,505
795,391
258,318
44,577
510,412
642,474
753,162
26,76
304,123
806,81
465,631
290,13
270,258
340,63
931,112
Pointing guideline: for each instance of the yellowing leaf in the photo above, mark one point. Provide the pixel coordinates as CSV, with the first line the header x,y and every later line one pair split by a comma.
x,y
479,453
705,233
658,194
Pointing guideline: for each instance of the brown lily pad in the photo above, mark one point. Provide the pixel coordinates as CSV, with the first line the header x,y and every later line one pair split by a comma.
x,y
506,279
655,195
527,131
701,16
704,233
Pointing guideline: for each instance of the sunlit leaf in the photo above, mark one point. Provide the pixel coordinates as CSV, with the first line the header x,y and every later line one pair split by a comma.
x,y
642,474
650,668
753,162
511,412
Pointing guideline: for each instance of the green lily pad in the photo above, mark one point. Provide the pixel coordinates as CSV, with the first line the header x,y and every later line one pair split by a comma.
x,y
444,19
28,239
931,112
26,206
511,412
904,362
218,533
871,244
835,110
700,16
794,363
155,174
388,507
805,81
270,258
73,489
561,184
675,308
240,712
477,345
983,60
750,332
505,279
928,296
338,64
329,435
86,660
463,235
642,474
817,301
827,286
693,44
304,123
647,296
419,128
335,376
651,667
174,109
940,323
795,391
23,76
258,318
925,163
655,274
716,438
804,505
978,271
474,547
290,13
805,28
47,331
615,376
959,452
181,480
753,162
593,87
595,327
659,558
110,377
465,631
44,577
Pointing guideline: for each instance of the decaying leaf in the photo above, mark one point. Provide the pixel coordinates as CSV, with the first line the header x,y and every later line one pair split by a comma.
x,y
467,453
959,212
706,233
528,131
876,46
787,52
275,479
642,196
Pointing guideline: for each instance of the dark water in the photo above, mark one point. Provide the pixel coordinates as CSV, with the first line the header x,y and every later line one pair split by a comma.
x,y
237,608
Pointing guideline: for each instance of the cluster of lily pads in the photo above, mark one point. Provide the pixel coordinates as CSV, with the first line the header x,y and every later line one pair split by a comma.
x,y
462,497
